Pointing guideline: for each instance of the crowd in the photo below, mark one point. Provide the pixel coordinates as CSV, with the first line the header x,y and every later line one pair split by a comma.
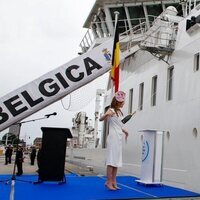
x,y
16,155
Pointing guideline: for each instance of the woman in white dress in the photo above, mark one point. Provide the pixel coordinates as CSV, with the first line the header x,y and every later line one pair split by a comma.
x,y
114,116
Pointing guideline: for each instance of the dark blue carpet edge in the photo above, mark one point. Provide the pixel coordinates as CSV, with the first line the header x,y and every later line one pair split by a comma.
x,y
164,189
87,189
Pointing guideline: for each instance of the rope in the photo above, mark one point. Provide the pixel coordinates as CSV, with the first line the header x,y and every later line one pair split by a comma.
x,y
69,105
83,96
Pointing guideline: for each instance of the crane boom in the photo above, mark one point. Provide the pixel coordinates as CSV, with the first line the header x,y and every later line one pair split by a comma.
x,y
54,85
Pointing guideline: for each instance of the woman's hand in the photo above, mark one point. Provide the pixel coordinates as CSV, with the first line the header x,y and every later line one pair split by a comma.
x,y
126,134
109,113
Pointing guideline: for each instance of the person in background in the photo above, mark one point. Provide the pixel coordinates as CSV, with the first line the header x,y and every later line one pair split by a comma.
x,y
33,155
19,160
114,116
10,154
7,155
39,157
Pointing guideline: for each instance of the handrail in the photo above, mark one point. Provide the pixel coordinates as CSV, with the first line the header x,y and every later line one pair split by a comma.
x,y
151,33
96,30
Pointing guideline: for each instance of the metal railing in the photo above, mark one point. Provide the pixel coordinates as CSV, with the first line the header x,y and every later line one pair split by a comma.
x,y
162,37
144,33
99,31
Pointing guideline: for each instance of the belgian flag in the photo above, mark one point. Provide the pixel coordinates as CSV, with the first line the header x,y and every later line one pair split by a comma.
x,y
116,59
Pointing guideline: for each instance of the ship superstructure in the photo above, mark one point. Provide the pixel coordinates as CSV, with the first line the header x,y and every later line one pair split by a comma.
x,y
160,45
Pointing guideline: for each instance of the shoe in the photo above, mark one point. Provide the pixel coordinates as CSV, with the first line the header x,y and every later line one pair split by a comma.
x,y
116,187
110,187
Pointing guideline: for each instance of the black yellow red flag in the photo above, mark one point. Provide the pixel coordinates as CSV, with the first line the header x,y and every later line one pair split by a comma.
x,y
116,59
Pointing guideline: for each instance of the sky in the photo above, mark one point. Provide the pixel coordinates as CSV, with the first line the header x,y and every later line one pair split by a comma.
x,y
37,36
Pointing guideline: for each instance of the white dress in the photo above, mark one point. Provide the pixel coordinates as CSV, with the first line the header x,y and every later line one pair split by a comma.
x,y
114,141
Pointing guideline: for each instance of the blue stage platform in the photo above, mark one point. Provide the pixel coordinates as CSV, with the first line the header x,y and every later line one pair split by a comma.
x,y
87,188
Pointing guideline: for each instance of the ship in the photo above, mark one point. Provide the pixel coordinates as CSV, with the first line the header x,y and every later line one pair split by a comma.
x,y
159,72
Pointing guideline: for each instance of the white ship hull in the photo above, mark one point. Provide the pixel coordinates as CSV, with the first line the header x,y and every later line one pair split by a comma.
x,y
177,115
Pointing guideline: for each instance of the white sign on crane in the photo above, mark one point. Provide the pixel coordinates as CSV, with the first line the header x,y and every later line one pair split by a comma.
x,y
54,85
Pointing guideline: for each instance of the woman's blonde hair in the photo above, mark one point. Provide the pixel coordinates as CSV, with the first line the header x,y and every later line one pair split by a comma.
x,y
115,105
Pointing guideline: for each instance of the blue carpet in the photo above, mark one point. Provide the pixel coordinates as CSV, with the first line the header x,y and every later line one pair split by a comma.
x,y
86,188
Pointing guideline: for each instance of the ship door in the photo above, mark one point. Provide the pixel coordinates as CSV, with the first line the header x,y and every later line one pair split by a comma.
x,y
105,130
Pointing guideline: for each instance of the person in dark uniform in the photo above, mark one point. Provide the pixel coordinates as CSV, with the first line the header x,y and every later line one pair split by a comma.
x,y
10,154
33,155
19,160
39,158
7,155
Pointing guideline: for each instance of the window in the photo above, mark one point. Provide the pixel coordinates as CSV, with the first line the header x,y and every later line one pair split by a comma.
x,y
141,94
130,107
154,10
196,62
153,90
170,73
136,15
122,19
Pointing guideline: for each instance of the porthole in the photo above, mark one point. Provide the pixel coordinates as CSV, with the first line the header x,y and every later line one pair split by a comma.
x,y
195,132
141,137
168,135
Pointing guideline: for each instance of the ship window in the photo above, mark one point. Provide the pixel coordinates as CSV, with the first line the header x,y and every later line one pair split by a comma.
x,y
196,62
168,135
153,90
195,132
130,107
170,73
136,15
141,96
154,10
122,19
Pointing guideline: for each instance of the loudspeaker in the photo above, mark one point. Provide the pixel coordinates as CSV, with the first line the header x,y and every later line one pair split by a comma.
x,y
53,151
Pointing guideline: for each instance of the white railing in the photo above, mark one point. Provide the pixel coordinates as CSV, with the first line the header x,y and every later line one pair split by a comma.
x,y
161,36
133,36
150,34
97,31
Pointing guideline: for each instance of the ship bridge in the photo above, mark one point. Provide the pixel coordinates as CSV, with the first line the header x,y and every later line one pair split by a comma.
x,y
146,25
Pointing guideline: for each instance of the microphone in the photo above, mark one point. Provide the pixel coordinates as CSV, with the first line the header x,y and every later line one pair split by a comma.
x,y
48,115
127,118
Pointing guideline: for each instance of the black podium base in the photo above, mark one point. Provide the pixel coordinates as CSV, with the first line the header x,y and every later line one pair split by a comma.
x,y
59,182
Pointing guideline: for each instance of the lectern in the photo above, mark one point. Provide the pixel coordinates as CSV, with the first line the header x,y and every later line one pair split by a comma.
x,y
53,153
152,157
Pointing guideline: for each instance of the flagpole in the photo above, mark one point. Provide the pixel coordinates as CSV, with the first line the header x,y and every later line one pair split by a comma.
x,y
116,19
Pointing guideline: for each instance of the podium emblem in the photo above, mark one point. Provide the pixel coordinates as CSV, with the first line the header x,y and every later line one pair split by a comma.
x,y
145,150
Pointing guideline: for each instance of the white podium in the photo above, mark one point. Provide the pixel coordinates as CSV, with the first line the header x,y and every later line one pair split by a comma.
x,y
152,157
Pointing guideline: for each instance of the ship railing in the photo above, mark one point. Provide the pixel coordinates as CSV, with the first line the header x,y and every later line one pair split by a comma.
x,y
160,38
87,40
139,25
99,30
132,37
